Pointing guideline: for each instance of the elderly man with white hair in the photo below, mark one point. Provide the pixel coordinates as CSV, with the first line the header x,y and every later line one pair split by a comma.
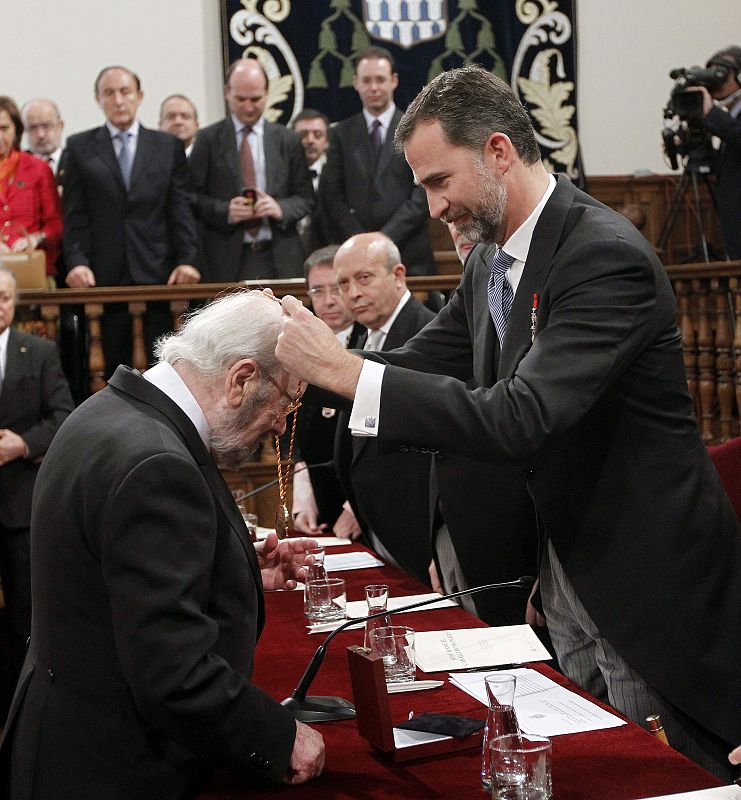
x,y
147,591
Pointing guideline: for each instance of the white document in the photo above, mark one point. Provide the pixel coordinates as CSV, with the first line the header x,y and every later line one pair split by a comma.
x,y
324,541
541,705
732,792
441,651
343,561
359,608
405,738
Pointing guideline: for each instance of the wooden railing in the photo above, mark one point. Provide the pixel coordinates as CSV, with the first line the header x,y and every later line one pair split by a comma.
x,y
709,317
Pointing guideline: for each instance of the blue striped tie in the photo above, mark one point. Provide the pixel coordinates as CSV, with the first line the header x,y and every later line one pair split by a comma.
x,y
500,293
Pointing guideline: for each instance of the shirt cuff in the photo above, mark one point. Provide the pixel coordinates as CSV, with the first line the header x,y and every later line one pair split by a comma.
x,y
364,418
303,491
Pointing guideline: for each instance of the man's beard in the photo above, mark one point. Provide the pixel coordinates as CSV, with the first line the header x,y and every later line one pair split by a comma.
x,y
228,447
485,223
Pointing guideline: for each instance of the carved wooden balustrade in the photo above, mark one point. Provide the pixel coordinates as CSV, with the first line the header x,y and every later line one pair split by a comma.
x,y
709,317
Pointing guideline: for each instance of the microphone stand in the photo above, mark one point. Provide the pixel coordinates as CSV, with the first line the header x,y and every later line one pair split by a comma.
x,y
327,709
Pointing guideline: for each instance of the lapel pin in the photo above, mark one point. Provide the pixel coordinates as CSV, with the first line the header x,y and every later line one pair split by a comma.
x,y
533,317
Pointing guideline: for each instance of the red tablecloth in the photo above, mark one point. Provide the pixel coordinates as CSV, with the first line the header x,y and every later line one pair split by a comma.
x,y
622,763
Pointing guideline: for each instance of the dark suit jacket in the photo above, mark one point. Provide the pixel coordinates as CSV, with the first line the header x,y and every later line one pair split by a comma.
x,y
217,178
34,401
728,169
315,437
597,414
127,238
390,493
356,198
147,608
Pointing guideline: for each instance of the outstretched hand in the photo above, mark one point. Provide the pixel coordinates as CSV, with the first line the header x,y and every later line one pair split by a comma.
x,y
283,562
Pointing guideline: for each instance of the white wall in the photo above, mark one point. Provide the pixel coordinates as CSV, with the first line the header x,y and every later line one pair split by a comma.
x,y
625,51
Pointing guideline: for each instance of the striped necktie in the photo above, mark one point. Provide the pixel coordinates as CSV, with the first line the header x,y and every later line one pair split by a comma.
x,y
500,293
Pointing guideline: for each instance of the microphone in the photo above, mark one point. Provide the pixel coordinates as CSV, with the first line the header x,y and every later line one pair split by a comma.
x,y
326,709
258,489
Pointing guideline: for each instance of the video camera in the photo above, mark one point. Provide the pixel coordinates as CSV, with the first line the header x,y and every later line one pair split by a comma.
x,y
688,105
685,136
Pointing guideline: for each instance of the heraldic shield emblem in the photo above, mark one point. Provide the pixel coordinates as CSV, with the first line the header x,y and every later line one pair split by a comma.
x,y
405,22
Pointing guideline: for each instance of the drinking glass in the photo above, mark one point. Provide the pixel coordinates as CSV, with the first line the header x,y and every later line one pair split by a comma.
x,y
327,599
395,645
376,596
500,717
250,520
314,572
521,767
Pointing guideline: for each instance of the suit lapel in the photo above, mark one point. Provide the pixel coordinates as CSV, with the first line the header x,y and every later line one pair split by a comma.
x,y
543,246
362,153
485,344
105,152
132,383
270,150
15,363
230,154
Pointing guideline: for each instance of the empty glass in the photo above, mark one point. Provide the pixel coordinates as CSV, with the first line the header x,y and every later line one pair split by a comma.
x,y
314,572
327,599
520,767
376,596
395,645
500,717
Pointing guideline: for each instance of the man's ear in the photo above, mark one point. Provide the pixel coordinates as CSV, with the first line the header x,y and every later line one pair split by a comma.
x,y
499,152
242,375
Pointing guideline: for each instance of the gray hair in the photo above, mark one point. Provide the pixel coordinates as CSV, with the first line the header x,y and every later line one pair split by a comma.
x,y
7,271
244,324
385,249
324,255
471,103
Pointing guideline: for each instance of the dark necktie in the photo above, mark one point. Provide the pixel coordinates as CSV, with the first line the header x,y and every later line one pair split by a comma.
x,y
375,138
500,293
249,179
124,156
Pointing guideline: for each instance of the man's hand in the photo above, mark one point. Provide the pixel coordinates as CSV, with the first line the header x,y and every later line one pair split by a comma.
x,y
307,758
435,581
707,100
735,755
282,563
347,526
305,522
80,277
267,206
532,615
184,273
240,210
22,244
12,446
308,349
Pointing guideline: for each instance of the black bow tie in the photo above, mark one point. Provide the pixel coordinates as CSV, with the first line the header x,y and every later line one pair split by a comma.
x,y
313,173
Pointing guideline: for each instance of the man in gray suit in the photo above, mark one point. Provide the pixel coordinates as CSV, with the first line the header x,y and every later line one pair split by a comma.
x,y
365,185
252,186
574,317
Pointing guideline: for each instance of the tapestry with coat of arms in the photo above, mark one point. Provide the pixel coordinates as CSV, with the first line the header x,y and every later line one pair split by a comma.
x,y
307,48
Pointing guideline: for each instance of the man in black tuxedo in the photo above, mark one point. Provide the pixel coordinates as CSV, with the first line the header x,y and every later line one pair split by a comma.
x,y
389,492
34,401
127,211
366,185
252,186
147,591
641,554
319,502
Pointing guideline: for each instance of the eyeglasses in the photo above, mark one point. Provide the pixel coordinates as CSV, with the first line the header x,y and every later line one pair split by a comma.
x,y
331,291
294,403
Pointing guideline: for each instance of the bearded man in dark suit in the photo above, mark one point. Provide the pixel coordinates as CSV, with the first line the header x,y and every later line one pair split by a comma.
x,y
147,591
640,572
365,185
252,186
127,211
34,401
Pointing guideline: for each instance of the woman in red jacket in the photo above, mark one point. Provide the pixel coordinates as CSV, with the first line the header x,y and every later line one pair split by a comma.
x,y
29,201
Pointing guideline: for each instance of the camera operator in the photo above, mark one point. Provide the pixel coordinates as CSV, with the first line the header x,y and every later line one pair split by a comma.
x,y
721,111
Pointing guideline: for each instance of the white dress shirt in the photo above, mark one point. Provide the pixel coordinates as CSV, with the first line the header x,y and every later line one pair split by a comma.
x,y
365,415
4,336
167,380
133,132
384,119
